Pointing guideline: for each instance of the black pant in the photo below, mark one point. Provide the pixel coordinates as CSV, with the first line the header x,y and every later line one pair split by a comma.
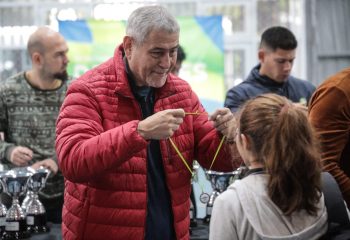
x,y
53,209
193,200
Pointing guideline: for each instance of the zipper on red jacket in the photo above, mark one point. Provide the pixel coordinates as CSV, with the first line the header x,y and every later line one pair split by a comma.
x,y
167,144
168,151
145,220
141,115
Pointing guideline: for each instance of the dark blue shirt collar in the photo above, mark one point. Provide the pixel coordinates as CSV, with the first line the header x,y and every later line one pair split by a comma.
x,y
265,80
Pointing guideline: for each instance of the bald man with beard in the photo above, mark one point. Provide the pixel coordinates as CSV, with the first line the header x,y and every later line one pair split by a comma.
x,y
29,105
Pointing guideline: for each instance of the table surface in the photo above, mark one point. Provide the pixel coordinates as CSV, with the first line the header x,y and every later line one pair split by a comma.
x,y
54,234
200,232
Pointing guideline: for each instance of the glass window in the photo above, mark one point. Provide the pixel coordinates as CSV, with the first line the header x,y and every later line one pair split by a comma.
x,y
238,66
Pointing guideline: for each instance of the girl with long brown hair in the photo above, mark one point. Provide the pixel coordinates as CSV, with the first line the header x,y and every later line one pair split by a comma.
x,y
280,197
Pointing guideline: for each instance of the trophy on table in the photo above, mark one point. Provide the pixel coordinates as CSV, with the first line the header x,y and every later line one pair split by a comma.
x,y
29,193
29,196
219,182
15,182
36,214
3,209
193,211
192,206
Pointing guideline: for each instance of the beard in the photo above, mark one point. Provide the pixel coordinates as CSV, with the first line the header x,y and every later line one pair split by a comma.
x,y
61,75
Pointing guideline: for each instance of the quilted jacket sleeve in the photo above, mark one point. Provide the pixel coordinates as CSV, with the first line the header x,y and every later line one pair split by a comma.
x,y
5,146
84,149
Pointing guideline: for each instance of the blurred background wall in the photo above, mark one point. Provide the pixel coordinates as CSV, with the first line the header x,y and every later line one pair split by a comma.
x,y
321,27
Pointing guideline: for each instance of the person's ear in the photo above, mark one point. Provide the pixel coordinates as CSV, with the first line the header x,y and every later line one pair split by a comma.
x,y
245,142
261,55
128,45
37,59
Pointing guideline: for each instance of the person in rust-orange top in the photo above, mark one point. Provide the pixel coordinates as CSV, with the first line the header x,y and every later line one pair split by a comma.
x,y
329,113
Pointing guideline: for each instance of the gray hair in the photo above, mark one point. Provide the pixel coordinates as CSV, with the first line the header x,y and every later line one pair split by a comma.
x,y
148,18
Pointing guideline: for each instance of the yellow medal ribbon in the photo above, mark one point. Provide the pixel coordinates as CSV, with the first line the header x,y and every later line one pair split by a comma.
x,y
217,151
184,160
195,113
186,164
180,155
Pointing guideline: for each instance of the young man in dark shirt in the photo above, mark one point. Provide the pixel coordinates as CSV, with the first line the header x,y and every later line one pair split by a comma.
x,y
273,73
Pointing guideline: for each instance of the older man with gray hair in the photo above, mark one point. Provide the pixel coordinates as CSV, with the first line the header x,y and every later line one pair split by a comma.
x,y
126,134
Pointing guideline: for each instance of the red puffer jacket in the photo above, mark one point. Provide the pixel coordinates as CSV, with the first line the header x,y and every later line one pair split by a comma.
x,y
103,158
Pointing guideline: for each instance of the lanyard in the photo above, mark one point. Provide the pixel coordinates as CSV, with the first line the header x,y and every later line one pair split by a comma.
x,y
204,196
182,157
184,160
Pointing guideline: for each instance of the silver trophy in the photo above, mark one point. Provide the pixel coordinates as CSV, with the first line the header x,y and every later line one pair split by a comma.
x,y
15,182
36,214
194,178
219,182
195,167
27,199
3,209
193,210
29,193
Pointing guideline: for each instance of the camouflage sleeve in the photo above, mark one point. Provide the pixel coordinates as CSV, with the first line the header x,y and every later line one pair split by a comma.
x,y
4,146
